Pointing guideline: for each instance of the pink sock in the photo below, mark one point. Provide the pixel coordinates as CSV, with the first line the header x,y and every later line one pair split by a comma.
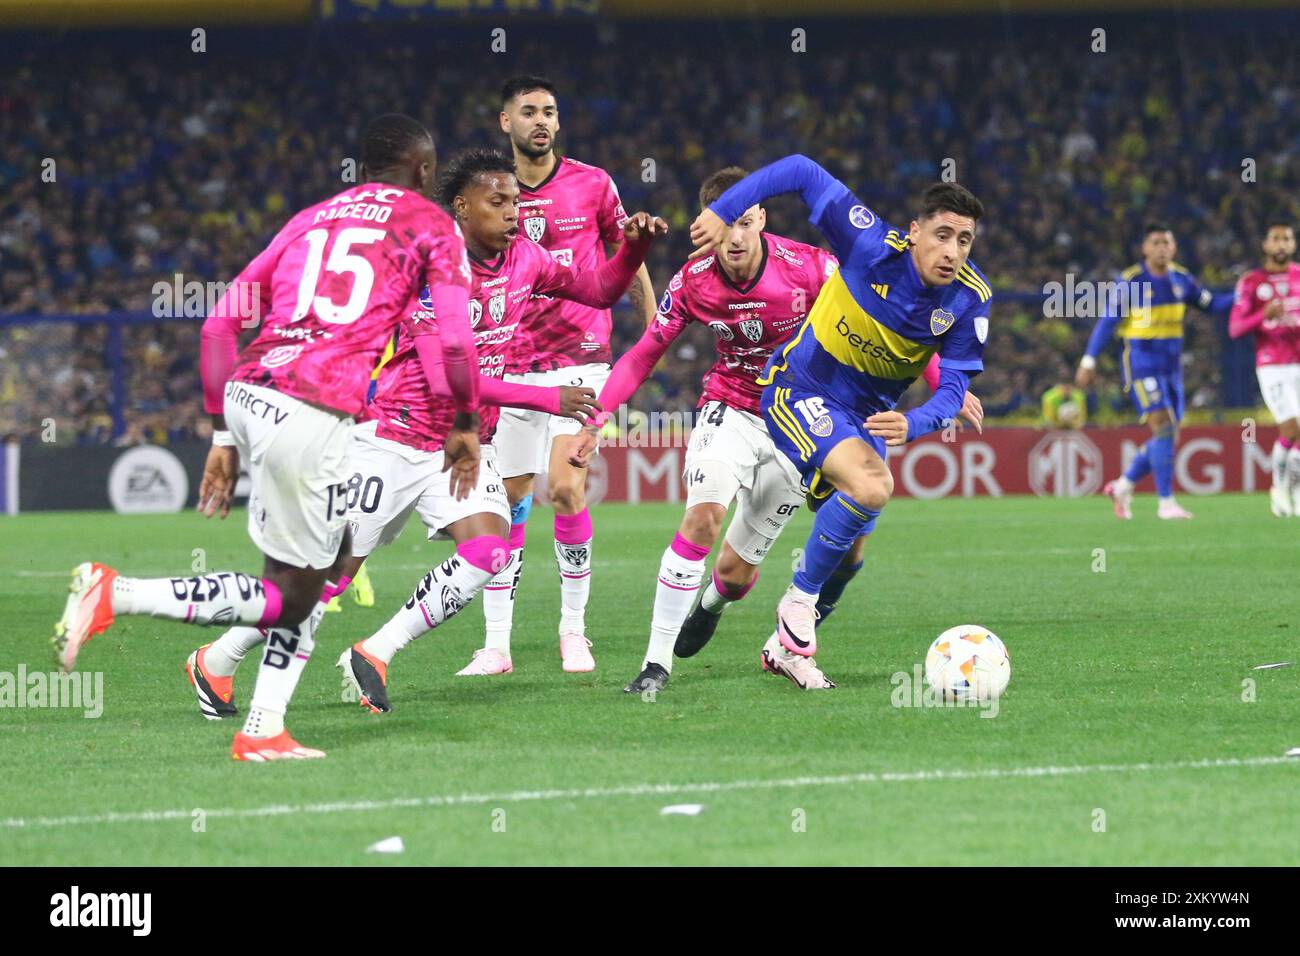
x,y
273,603
331,591
687,550
486,552
1286,443
517,534
573,529
730,592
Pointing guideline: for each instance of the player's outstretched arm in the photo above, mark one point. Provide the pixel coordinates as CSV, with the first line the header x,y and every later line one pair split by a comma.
x,y
600,288
1102,331
797,173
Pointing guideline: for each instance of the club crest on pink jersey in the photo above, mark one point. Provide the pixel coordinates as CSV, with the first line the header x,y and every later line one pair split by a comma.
x,y
281,355
535,228
752,329
497,307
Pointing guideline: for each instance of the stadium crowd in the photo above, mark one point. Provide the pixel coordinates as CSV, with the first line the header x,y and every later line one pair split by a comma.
x,y
173,162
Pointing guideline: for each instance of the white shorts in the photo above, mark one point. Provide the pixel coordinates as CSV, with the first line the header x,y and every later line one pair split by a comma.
x,y
731,456
524,437
1280,386
389,480
296,455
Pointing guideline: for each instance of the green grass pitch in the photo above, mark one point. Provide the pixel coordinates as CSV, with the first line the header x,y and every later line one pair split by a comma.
x,y
1135,729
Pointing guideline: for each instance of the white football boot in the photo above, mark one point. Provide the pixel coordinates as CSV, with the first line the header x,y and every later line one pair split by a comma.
x,y
801,671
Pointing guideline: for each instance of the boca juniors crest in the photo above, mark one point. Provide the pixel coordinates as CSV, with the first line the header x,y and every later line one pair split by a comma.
x,y
497,307
752,329
535,228
941,321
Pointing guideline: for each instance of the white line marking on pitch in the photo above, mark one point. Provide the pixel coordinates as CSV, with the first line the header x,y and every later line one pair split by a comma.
x,y
635,790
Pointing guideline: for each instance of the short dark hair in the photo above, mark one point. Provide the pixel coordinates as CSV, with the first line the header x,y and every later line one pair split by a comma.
x,y
1155,227
950,197
465,166
389,140
525,83
718,183
1278,224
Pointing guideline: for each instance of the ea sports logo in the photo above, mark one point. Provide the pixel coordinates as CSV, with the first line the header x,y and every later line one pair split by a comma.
x,y
1065,465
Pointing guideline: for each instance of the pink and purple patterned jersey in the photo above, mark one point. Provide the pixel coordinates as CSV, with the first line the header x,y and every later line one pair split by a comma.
x,y
500,291
749,321
1277,340
571,214
340,275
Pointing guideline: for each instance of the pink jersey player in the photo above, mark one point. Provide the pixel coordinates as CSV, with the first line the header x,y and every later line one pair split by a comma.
x,y
748,321
339,275
1268,304
501,296
1277,337
572,215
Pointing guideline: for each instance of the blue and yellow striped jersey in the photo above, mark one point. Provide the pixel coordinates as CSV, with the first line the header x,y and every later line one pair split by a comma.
x,y
1147,312
875,323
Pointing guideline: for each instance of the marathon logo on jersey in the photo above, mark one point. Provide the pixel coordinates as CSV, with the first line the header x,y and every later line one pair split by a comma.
x,y
941,321
862,217
129,910
722,331
281,355
497,307
752,329
535,228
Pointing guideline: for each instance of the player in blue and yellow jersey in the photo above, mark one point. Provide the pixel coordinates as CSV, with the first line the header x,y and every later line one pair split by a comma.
x,y
1147,310
829,396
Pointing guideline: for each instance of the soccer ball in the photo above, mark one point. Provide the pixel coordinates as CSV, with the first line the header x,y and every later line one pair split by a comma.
x,y
968,662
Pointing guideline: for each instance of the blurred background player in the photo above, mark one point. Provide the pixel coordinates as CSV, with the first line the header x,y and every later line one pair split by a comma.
x,y
571,210
399,455
1065,405
333,285
1268,304
830,393
1147,312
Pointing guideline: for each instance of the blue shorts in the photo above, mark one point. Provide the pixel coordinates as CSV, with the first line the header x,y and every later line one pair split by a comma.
x,y
806,425
1150,392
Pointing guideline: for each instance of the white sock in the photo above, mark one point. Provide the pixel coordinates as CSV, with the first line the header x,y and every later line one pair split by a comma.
x,y
499,603
1123,485
805,595
287,652
440,595
679,580
713,600
1167,500
226,652
1293,468
574,561
219,598
1279,459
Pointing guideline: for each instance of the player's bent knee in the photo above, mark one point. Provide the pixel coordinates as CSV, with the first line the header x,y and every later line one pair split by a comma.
x,y
872,491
